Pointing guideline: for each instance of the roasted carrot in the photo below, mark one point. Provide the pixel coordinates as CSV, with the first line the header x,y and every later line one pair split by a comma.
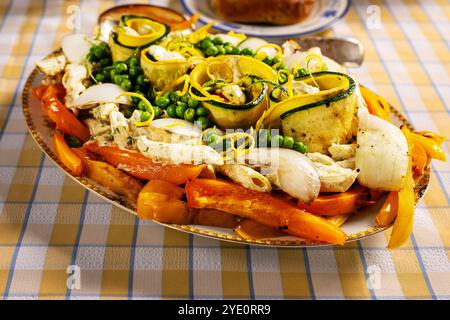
x,y
261,207
66,155
335,204
141,167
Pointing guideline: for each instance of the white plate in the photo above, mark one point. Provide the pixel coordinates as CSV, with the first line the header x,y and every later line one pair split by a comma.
x,y
323,15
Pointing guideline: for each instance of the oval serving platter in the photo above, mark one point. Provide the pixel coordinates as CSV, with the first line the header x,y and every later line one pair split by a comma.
x,y
359,226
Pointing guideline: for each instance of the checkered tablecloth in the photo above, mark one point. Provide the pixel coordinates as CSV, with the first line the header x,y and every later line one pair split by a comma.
x,y
48,222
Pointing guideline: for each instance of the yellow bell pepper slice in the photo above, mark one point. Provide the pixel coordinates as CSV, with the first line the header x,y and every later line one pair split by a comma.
x,y
406,199
432,147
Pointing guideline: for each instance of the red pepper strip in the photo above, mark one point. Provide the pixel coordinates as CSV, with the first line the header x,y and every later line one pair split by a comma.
x,y
63,118
141,167
263,208
66,155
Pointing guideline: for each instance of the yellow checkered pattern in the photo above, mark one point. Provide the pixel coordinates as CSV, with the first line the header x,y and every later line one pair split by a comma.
x,y
47,222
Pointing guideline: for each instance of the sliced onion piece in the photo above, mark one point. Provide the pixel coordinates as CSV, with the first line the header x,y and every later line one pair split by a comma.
x,y
178,126
381,155
100,93
75,47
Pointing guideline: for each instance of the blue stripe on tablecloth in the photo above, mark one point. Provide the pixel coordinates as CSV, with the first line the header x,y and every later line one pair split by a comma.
x,y
422,267
191,266
22,231
132,258
312,292
444,39
78,236
251,289
364,266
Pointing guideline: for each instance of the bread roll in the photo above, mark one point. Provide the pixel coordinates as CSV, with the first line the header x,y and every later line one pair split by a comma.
x,y
279,12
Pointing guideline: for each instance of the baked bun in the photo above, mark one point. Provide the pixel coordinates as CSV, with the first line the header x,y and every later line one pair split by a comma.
x,y
279,12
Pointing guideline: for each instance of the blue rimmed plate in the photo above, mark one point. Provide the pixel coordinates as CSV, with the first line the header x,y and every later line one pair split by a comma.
x,y
323,15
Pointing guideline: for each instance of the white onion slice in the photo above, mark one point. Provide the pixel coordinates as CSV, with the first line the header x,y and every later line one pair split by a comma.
x,y
75,47
100,93
381,155
178,126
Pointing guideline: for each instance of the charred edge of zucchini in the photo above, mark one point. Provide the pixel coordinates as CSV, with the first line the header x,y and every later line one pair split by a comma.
x,y
115,35
242,107
340,96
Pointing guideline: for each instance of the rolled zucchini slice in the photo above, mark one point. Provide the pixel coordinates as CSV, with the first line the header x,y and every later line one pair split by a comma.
x,y
229,115
133,34
324,118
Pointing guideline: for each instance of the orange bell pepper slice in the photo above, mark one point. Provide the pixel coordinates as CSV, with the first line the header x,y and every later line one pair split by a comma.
x,y
432,148
185,24
419,159
108,176
64,119
388,211
66,155
161,201
262,207
142,167
406,199
336,204
376,104
433,136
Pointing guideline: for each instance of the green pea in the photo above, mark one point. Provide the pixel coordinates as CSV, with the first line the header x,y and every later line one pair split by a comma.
x,y
202,112
212,51
180,109
222,50
300,147
212,138
117,79
90,57
172,110
228,44
185,98
151,94
268,61
145,115
105,62
162,102
74,142
100,52
121,67
217,41
128,111
100,77
283,67
141,80
192,103
228,49
277,140
203,122
206,44
189,114
301,72
136,100
126,85
158,112
173,96
142,105
247,52
112,74
134,71
236,51
288,142
133,62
